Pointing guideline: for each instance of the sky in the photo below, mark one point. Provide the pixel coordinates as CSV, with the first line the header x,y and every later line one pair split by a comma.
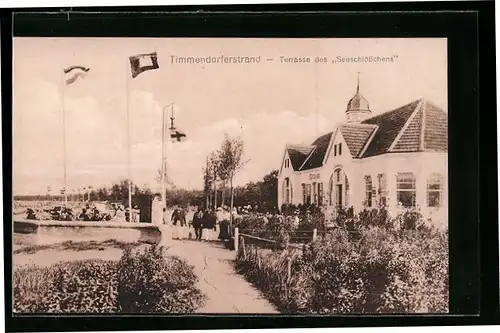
x,y
267,104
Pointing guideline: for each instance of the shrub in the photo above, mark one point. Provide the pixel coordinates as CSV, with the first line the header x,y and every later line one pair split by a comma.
x,y
85,286
273,227
144,282
150,283
365,265
269,273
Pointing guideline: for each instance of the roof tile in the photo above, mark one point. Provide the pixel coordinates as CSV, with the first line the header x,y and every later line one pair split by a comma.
x,y
356,137
389,125
316,157
410,139
436,129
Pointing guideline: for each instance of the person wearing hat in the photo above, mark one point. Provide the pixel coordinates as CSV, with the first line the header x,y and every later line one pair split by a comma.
x,y
198,223
127,214
30,214
209,223
224,225
176,219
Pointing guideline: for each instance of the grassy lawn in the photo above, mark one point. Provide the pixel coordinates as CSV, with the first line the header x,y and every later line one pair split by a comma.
x,y
77,246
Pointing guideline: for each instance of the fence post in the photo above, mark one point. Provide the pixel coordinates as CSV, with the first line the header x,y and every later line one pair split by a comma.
x,y
315,234
243,247
236,239
289,269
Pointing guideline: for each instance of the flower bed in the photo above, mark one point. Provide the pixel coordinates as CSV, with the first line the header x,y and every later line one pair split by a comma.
x,y
371,266
141,282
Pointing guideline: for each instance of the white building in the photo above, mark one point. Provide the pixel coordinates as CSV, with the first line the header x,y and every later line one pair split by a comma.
x,y
398,159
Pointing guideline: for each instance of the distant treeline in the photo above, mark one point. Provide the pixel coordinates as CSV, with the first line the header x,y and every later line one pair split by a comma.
x,y
262,194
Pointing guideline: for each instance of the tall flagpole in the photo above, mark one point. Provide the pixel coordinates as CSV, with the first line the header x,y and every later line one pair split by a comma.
x,y
207,188
128,143
63,105
163,165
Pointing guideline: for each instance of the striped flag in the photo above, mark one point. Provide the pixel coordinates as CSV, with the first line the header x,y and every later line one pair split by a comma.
x,y
143,62
72,73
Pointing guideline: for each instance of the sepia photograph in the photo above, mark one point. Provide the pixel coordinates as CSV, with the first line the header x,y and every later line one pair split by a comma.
x,y
230,176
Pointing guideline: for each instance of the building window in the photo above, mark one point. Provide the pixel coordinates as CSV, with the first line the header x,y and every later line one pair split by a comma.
x,y
346,191
304,195
368,191
287,163
330,191
382,190
406,189
337,175
435,190
334,150
340,148
314,194
308,194
287,191
320,194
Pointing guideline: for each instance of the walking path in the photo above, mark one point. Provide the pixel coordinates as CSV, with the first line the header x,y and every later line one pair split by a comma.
x,y
227,291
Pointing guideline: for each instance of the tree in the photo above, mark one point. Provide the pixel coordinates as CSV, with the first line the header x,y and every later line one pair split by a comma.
x,y
230,161
269,190
102,194
209,177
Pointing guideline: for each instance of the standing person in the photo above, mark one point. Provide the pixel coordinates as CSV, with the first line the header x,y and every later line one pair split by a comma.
x,y
207,223
165,218
183,224
182,216
198,223
127,214
175,217
165,228
176,221
30,214
219,217
224,226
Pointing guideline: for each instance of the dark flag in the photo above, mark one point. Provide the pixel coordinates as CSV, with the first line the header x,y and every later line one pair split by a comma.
x,y
177,136
143,62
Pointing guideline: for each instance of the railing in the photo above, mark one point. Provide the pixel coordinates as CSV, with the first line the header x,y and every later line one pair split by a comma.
x,y
251,251
239,237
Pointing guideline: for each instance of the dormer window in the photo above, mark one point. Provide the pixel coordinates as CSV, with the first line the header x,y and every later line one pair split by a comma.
x,y
287,163
337,149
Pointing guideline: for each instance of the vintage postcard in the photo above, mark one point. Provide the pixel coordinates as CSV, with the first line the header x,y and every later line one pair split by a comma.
x,y
226,175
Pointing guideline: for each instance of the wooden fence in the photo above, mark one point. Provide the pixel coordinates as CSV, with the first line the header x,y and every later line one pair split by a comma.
x,y
239,236
239,244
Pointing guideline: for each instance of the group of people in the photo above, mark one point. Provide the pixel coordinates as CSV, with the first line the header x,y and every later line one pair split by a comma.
x,y
92,214
208,220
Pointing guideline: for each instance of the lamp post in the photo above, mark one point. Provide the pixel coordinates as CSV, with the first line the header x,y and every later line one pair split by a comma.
x,y
164,160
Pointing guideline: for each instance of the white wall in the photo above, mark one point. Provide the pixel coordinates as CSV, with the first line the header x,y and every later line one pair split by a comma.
x,y
421,164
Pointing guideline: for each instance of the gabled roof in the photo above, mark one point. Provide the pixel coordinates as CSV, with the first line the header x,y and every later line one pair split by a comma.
x,y
416,126
298,154
389,125
315,158
435,128
356,136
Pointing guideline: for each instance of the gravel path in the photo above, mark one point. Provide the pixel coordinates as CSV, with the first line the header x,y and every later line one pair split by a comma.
x,y
227,291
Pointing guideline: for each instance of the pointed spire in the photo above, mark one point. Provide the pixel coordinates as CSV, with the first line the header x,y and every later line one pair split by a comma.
x,y
358,106
357,88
